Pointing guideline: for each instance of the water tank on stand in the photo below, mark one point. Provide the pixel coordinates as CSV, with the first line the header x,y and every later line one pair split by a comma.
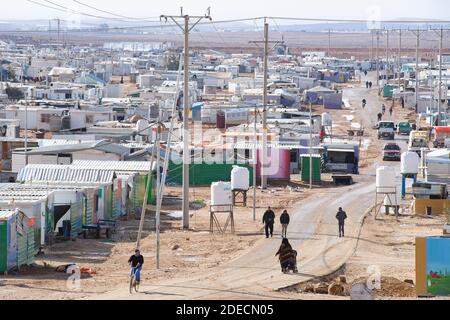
x,y
410,163
221,194
55,123
142,127
327,120
385,181
65,122
154,111
240,178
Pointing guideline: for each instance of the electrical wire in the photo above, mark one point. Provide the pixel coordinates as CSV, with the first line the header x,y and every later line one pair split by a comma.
x,y
217,31
111,13
143,27
58,7
425,21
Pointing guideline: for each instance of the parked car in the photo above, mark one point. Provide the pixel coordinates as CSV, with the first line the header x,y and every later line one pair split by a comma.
x,y
404,128
391,151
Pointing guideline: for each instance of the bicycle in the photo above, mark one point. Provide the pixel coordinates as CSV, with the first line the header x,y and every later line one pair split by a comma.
x,y
133,282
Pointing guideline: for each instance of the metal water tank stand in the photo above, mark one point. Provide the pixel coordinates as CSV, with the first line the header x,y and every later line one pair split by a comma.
x,y
404,177
393,191
214,221
235,196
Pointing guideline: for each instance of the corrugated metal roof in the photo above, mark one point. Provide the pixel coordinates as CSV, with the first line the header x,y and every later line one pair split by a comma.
x,y
134,166
6,214
65,174
69,147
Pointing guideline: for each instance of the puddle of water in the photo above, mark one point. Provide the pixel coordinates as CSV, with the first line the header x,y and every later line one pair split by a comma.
x,y
176,214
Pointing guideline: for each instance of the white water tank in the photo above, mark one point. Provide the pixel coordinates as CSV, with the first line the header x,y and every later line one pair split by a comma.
x,y
142,127
385,180
327,120
410,163
240,178
221,193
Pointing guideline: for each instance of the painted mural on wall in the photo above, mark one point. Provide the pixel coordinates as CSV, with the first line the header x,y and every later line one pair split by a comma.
x,y
438,266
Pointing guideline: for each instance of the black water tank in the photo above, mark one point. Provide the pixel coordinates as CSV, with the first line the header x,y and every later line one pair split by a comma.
x,y
65,122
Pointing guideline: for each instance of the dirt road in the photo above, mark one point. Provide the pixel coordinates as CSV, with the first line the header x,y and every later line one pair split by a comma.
x,y
256,274
313,233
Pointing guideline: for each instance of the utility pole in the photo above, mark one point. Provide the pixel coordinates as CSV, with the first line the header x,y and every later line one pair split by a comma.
x,y
440,77
310,148
387,56
264,113
255,162
264,120
158,191
399,58
329,42
417,69
49,31
148,187
26,132
378,59
59,29
371,48
186,141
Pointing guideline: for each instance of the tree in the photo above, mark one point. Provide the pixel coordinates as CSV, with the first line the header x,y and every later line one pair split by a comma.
x,y
14,93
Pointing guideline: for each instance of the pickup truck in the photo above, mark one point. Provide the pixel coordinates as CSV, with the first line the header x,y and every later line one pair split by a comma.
x,y
418,140
386,130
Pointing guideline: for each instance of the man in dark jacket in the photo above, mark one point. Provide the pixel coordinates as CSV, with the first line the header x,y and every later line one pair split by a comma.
x,y
341,216
269,220
284,220
380,116
136,261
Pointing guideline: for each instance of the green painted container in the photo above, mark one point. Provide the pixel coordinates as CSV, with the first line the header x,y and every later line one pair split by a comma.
x,y
204,174
388,90
3,246
316,174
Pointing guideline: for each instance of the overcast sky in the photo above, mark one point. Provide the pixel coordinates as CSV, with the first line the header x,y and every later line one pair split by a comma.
x,y
230,9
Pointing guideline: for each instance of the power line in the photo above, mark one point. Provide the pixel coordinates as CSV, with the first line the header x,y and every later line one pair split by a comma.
x,y
424,21
111,13
58,7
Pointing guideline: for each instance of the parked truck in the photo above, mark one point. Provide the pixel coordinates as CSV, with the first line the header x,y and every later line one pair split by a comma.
x,y
418,140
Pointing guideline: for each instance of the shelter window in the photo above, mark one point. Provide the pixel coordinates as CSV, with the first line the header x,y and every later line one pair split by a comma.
x,y
341,157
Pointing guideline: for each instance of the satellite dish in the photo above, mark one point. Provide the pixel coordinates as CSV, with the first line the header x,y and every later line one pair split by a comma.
x,y
360,291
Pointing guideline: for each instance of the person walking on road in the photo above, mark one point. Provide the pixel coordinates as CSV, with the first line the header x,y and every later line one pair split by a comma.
x,y
284,220
380,116
269,220
383,109
391,110
364,102
341,216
